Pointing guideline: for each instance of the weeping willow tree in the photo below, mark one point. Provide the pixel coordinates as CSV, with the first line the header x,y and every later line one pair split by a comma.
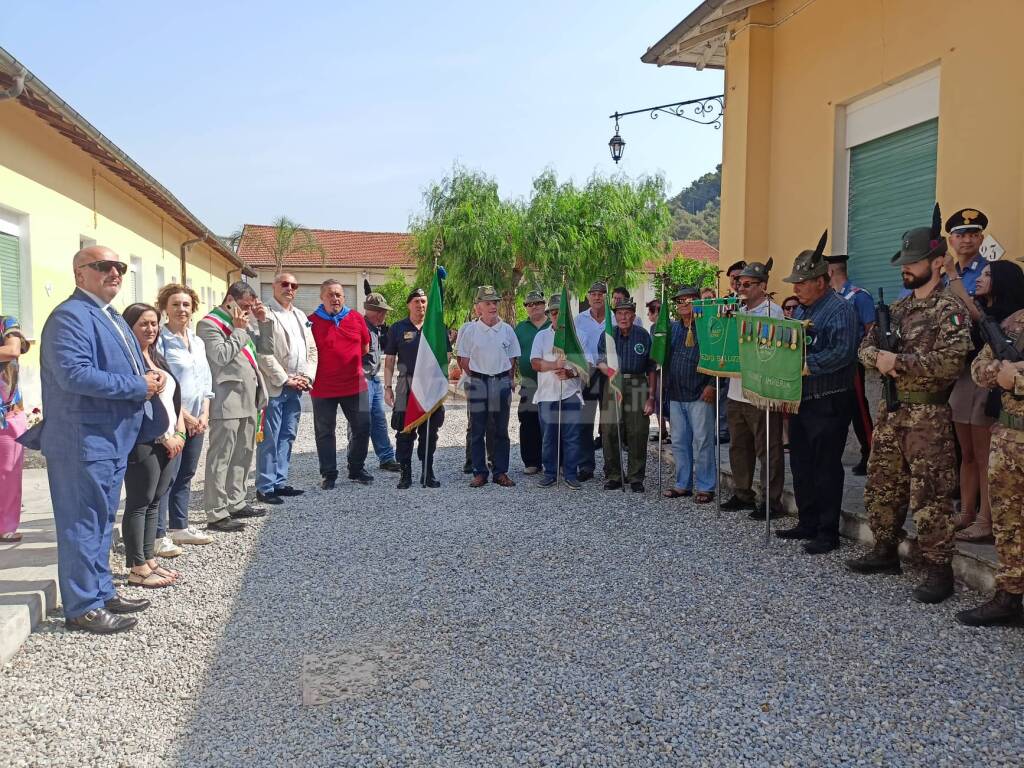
x,y
607,229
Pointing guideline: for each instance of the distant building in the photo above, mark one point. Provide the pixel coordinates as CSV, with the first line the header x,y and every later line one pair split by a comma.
x,y
64,185
349,257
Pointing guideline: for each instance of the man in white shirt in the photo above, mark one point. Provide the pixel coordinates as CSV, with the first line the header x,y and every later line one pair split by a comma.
x,y
289,372
747,422
467,468
560,400
487,355
590,329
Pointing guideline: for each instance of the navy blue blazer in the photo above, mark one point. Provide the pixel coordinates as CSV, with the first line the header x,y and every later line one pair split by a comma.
x,y
93,398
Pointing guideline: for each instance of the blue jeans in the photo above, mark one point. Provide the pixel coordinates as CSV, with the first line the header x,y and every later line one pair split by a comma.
x,y
274,453
489,401
379,423
570,444
693,444
174,503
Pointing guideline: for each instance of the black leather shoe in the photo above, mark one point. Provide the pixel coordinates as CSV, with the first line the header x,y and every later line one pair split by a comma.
x,y
862,468
100,621
227,525
612,485
327,484
390,466
734,503
636,487
287,490
585,474
268,498
362,477
758,513
820,546
118,604
248,511
796,533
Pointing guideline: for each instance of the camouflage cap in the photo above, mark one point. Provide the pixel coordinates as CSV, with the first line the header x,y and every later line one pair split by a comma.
x,y
757,271
487,293
376,301
598,287
555,302
533,297
810,264
625,304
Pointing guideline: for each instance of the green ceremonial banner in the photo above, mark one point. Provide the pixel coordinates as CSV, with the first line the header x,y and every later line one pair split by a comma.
x,y
717,336
772,361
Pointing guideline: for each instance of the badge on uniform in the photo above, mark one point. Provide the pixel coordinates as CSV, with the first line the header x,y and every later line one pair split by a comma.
x,y
409,335
638,348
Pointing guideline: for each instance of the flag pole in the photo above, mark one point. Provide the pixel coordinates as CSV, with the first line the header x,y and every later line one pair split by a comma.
x,y
618,432
767,458
426,423
718,448
661,398
558,444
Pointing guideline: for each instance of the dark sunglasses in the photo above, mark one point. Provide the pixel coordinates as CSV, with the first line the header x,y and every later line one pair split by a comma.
x,y
293,286
106,266
790,306
536,304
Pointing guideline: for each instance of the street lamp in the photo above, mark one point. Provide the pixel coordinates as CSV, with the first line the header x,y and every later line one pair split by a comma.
x,y
704,111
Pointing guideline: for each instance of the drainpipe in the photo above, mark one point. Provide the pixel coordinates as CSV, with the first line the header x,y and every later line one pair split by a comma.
x,y
19,85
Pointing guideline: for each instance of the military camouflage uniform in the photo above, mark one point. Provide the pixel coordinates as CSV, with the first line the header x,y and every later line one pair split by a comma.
x,y
912,453
1006,467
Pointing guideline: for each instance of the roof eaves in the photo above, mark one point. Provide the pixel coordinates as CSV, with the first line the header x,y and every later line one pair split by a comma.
x,y
37,91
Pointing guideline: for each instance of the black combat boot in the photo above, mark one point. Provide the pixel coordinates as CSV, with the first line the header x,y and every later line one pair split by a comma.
x,y
405,481
1004,608
937,585
430,481
883,558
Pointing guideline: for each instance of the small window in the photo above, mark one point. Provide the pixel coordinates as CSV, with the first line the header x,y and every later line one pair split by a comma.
x,y
85,242
10,276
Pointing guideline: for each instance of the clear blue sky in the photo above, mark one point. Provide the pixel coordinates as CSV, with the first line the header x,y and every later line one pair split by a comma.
x,y
338,114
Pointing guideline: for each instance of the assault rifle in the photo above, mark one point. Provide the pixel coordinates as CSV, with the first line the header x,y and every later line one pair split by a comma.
x,y
887,343
992,334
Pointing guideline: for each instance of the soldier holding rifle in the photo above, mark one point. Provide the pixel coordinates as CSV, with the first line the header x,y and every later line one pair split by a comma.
x,y
911,463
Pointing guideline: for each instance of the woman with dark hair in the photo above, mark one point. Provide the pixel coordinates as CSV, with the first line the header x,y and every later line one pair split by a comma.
x,y
789,306
999,292
150,465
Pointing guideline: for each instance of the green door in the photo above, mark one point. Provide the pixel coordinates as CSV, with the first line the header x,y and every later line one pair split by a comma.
x,y
892,189
10,276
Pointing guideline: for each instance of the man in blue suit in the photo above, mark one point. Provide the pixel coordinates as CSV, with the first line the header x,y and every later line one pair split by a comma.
x,y
95,387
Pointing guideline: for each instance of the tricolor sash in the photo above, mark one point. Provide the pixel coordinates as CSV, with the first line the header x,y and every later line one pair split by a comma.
x,y
222,320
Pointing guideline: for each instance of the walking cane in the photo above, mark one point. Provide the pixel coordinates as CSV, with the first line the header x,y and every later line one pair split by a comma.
x,y
426,451
618,432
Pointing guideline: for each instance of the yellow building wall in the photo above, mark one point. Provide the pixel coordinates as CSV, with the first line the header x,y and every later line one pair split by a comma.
x,y
61,194
789,72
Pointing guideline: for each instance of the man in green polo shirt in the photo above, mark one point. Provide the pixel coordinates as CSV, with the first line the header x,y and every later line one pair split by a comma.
x,y
530,435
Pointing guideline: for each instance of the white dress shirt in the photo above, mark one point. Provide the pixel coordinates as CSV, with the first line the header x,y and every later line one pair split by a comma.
x,y
293,323
736,384
548,389
589,331
490,348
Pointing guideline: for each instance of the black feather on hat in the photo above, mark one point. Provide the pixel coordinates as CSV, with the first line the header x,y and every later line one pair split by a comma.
x,y
936,225
821,246
366,288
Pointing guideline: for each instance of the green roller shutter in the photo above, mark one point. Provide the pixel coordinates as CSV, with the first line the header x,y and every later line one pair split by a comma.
x,y
892,189
10,276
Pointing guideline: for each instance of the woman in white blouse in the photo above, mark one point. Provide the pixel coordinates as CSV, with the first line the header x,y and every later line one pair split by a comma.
x,y
185,353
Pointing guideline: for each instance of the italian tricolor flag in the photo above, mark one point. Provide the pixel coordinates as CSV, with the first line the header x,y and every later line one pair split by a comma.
x,y
429,385
611,355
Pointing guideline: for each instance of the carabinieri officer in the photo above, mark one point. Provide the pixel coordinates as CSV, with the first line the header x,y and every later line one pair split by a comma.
x,y
402,343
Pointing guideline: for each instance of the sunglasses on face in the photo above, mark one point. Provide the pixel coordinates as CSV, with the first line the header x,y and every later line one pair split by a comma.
x,y
746,283
535,304
106,266
293,286
790,307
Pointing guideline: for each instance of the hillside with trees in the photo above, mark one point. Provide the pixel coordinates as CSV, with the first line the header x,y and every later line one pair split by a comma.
x,y
695,210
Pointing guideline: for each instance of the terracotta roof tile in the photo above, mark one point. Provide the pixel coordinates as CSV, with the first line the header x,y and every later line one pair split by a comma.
x,y
341,248
698,250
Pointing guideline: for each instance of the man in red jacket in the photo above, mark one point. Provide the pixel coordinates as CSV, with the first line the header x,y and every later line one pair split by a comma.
x,y
341,340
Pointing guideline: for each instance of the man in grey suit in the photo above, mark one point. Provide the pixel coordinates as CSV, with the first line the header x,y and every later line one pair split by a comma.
x,y
233,346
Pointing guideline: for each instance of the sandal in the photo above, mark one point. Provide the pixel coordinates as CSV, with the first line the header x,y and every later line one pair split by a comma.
x,y
703,497
165,572
10,538
675,493
976,533
151,580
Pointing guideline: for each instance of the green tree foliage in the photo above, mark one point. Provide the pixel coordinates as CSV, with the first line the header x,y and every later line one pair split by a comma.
x,y
395,291
695,210
682,271
606,229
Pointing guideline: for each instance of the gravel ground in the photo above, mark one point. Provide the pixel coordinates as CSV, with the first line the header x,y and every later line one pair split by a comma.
x,y
515,627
